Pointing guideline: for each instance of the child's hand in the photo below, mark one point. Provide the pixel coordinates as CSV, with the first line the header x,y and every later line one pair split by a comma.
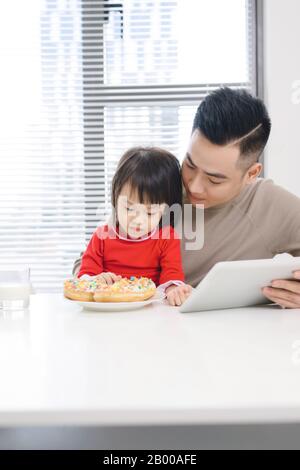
x,y
109,278
176,295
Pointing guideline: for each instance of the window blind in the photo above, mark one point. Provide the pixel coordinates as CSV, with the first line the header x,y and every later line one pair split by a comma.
x,y
83,81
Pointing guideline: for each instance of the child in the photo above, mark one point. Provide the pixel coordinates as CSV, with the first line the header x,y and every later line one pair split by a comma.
x,y
146,183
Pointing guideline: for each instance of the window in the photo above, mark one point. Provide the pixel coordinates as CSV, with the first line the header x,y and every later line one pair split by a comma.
x,y
81,82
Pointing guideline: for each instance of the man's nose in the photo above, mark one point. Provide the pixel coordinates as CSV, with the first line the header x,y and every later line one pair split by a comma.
x,y
196,185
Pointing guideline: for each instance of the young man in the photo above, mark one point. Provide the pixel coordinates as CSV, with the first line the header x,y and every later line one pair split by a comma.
x,y
245,217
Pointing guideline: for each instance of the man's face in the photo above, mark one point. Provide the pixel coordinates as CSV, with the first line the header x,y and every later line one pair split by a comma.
x,y
210,174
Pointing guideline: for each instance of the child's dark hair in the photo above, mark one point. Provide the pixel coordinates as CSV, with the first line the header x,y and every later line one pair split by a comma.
x,y
152,172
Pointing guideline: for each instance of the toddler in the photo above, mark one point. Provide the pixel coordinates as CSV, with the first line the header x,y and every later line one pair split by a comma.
x,y
136,242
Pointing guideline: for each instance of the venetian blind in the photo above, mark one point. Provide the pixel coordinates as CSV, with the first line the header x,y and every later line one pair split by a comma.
x,y
82,81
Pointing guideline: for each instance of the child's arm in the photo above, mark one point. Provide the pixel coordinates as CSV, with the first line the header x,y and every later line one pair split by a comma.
x,y
170,259
92,259
176,295
171,280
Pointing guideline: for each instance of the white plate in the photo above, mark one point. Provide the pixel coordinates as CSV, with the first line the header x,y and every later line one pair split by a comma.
x,y
117,306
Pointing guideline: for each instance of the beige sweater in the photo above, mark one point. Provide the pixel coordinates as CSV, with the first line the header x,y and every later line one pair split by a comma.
x,y
262,221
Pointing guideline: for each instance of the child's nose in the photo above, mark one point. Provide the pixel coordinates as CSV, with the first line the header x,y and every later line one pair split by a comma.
x,y
140,219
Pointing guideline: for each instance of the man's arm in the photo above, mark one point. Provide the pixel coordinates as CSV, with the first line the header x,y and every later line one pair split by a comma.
x,y
77,264
286,214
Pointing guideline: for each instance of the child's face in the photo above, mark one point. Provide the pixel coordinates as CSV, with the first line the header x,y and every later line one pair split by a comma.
x,y
135,219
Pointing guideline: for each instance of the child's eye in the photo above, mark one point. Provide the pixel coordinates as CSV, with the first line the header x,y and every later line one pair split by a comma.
x,y
129,209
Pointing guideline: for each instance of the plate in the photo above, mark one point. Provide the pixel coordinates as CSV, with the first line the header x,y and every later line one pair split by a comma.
x,y
117,306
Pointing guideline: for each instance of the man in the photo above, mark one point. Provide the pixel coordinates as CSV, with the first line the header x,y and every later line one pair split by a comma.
x,y
245,217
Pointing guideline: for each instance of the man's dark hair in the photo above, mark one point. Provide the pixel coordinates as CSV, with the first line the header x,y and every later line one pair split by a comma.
x,y
153,172
227,116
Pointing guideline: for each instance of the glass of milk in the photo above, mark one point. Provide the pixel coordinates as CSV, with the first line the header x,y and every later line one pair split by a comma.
x,y
15,288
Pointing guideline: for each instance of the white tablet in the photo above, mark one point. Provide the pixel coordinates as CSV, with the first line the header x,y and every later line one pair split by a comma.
x,y
233,284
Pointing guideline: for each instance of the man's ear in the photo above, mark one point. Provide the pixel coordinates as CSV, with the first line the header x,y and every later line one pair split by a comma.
x,y
253,172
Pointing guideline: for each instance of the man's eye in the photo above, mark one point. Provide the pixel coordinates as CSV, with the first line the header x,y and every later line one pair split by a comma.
x,y
189,166
213,182
129,209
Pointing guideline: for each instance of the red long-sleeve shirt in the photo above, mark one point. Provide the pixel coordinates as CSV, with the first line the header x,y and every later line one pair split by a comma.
x,y
155,257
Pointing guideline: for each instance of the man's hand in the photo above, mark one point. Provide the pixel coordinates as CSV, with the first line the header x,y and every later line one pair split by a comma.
x,y
285,293
176,295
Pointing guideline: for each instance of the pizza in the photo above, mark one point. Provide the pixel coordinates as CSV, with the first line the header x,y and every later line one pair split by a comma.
x,y
131,289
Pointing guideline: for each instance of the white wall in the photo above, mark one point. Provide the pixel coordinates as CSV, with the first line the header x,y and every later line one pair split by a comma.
x,y
282,71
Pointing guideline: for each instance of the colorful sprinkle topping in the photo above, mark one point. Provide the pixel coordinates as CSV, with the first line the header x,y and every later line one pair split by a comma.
x,y
133,284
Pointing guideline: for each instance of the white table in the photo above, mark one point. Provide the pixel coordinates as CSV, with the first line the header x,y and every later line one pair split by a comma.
x,y
60,365
148,379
